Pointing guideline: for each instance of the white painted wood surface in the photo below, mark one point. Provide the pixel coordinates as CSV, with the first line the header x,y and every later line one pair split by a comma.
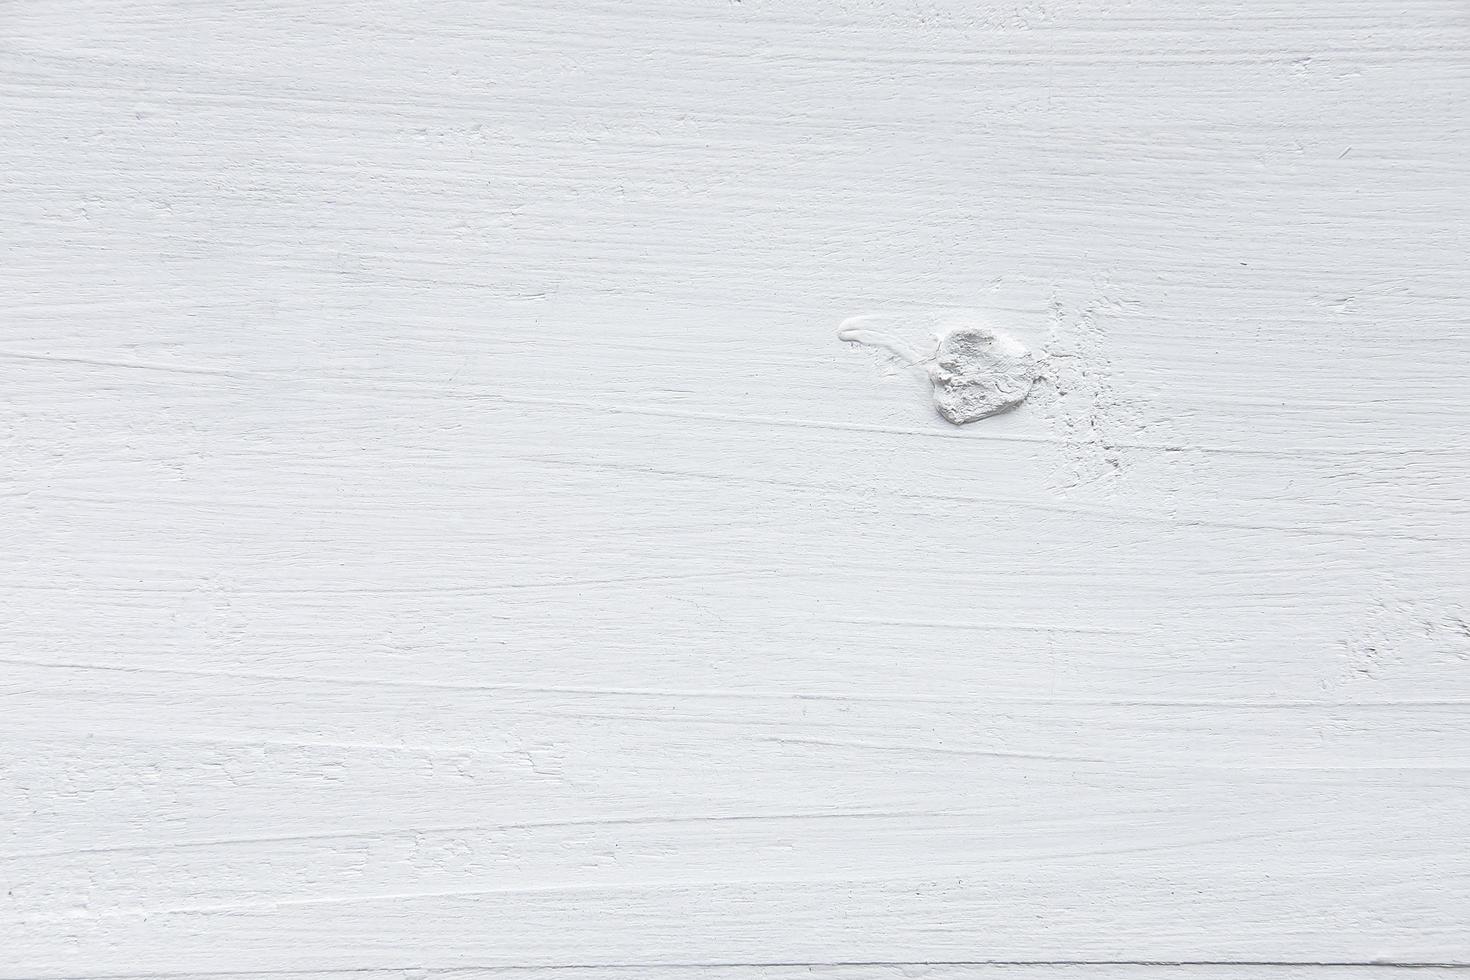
x,y
442,531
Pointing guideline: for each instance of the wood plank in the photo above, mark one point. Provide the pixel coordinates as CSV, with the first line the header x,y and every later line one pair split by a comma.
x,y
444,536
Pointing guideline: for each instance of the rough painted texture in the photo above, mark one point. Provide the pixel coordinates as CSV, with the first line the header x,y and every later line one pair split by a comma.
x,y
440,529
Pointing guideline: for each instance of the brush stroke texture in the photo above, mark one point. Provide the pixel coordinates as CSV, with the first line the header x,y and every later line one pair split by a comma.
x,y
444,540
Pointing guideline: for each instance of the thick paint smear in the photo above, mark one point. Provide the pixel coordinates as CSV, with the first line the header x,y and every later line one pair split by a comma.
x,y
976,371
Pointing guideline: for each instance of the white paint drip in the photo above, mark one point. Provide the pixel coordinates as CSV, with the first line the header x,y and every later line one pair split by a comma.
x,y
976,371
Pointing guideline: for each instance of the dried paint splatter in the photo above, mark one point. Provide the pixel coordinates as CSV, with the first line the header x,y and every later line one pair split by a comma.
x,y
976,372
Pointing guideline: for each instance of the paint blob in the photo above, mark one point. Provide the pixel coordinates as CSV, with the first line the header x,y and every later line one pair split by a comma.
x,y
976,372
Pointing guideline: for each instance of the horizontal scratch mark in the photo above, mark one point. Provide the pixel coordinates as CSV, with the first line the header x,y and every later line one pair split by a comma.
x,y
932,749
627,821
936,433
565,583
131,365
643,886
983,627
1280,704
397,971
1110,514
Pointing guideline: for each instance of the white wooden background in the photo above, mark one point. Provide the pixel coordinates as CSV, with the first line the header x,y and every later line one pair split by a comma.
x,y
441,535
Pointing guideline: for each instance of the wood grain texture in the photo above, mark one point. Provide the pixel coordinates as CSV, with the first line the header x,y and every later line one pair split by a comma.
x,y
444,537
